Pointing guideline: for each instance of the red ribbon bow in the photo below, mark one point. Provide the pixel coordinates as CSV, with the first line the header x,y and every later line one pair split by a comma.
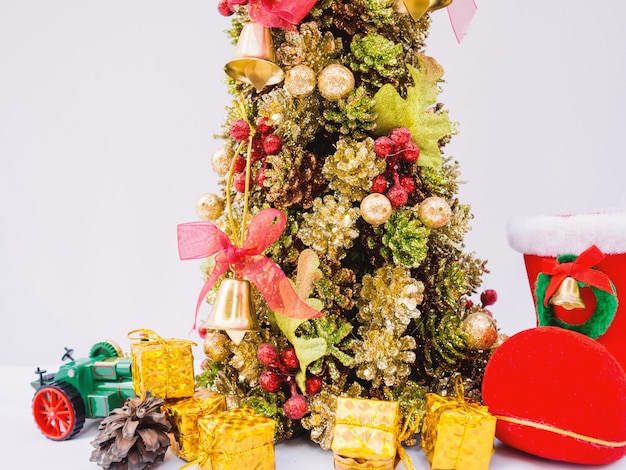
x,y
279,13
202,239
579,269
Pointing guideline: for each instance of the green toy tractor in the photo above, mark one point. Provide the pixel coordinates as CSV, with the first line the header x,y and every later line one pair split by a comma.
x,y
83,388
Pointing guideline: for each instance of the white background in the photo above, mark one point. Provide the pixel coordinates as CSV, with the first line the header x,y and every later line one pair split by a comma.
x,y
107,116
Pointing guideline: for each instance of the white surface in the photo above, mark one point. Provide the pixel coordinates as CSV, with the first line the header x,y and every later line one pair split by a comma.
x,y
107,112
23,447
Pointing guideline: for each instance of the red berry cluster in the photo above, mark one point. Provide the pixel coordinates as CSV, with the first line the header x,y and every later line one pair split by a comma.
x,y
487,297
400,153
280,370
264,143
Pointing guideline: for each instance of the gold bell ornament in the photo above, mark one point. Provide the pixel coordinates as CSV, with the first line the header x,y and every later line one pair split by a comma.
x,y
254,61
568,295
417,8
233,310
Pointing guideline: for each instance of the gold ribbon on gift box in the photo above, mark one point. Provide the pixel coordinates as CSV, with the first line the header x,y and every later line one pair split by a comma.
x,y
165,355
458,432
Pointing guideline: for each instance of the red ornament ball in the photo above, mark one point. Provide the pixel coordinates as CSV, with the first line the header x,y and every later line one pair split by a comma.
x,y
270,381
558,394
410,152
379,184
289,358
239,130
264,127
224,8
267,354
408,183
296,407
240,182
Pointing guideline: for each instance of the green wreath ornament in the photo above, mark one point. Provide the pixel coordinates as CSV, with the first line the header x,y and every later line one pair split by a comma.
x,y
598,323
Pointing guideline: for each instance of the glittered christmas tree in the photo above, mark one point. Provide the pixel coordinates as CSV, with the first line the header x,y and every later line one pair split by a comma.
x,y
338,212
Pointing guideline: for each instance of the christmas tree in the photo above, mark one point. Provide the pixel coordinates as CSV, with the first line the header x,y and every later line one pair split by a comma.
x,y
339,205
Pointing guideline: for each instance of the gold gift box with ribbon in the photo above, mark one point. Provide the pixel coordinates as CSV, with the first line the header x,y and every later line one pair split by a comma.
x,y
184,414
162,366
366,435
236,439
457,433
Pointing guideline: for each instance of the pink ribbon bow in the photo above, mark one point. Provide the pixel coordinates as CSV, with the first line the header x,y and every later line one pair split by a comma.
x,y
461,13
579,269
198,240
279,13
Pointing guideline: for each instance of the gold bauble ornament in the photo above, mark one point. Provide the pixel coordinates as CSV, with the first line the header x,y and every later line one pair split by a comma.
x,y
376,209
209,206
220,161
434,212
335,81
480,329
300,81
216,346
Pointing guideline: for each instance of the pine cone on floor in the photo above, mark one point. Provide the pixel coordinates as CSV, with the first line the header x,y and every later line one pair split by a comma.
x,y
133,437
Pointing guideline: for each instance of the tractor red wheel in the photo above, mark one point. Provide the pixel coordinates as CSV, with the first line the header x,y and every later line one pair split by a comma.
x,y
59,411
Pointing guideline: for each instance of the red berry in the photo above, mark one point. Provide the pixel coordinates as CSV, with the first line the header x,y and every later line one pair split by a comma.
x,y
289,358
270,381
313,385
488,297
272,144
400,135
224,8
263,126
379,184
239,130
408,183
267,354
469,304
383,146
410,152
240,164
296,407
397,195
240,182
202,331
260,177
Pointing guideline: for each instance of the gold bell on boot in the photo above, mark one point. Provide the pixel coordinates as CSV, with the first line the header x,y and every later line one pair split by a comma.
x,y
233,310
568,295
417,8
254,61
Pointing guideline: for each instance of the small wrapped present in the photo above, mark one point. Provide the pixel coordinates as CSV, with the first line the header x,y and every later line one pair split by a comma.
x,y
457,432
163,366
366,435
184,414
236,439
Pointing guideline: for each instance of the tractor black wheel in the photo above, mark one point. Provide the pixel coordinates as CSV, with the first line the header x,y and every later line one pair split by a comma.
x,y
59,411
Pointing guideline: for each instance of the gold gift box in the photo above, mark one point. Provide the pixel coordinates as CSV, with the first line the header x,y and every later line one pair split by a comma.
x,y
184,414
162,366
365,434
457,433
235,440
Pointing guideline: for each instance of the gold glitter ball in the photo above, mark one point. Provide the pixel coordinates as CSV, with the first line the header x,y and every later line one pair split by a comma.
x,y
300,81
434,212
220,160
375,209
481,330
335,81
209,206
216,346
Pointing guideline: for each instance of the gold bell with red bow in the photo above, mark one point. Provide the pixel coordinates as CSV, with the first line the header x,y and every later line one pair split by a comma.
x,y
254,60
568,295
233,310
